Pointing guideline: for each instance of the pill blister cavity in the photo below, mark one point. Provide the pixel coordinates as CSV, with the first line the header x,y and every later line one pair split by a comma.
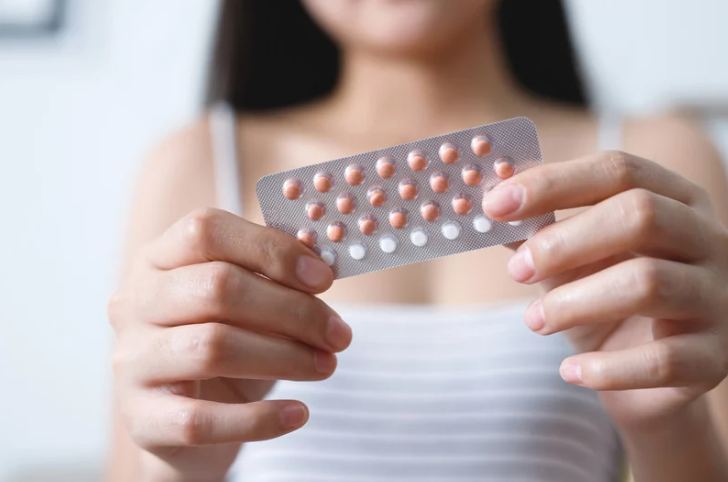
x,y
430,211
398,218
307,237
515,223
482,224
504,168
292,189
388,244
328,256
385,167
336,232
408,189
462,204
481,146
368,225
451,230
354,174
315,210
417,161
346,203
439,182
357,251
377,197
323,181
419,237
449,153
472,175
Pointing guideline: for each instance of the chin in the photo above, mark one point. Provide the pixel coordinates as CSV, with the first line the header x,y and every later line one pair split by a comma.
x,y
396,26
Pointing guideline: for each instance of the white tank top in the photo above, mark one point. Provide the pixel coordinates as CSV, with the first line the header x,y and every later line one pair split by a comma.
x,y
427,394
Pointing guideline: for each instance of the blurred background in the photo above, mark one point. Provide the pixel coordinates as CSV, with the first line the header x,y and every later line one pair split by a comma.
x,y
78,76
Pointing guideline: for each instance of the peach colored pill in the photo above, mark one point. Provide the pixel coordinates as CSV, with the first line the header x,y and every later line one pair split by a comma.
x,y
385,168
322,182
472,176
336,232
449,153
377,197
292,189
307,237
398,219
430,211
439,182
345,204
503,168
417,161
408,190
315,211
354,175
462,205
481,146
368,225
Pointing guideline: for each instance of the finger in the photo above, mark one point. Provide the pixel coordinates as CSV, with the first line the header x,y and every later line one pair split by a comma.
x,y
584,182
209,350
635,221
214,235
163,420
641,286
218,291
678,361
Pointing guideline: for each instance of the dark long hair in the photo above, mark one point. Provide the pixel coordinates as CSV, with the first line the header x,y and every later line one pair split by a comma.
x,y
271,54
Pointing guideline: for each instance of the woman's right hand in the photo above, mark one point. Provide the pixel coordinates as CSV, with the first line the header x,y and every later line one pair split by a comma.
x,y
215,310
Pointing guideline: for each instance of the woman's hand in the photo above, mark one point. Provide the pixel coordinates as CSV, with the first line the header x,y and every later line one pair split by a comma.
x,y
639,279
215,311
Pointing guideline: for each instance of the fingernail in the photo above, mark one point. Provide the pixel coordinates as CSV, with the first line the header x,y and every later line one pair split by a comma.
x,y
520,266
313,272
338,334
325,362
570,371
535,318
293,416
502,200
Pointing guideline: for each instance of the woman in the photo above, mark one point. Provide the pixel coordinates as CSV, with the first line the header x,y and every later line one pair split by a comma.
x,y
443,380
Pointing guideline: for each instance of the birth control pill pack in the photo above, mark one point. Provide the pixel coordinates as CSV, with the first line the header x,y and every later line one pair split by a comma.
x,y
404,204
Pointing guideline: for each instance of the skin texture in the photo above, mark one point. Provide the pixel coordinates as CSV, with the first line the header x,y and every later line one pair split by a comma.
x,y
191,306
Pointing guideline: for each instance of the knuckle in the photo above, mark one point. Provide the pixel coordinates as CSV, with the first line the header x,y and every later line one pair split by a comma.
x,y
643,211
647,279
273,250
199,228
192,424
114,308
219,283
206,346
623,167
664,367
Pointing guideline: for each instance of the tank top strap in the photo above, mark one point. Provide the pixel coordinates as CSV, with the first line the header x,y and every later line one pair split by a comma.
x,y
610,131
223,134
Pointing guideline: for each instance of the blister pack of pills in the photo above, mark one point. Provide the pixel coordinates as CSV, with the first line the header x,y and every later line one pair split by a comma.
x,y
404,204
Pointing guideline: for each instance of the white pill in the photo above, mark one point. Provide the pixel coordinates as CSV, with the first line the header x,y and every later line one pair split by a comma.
x,y
515,223
419,237
357,251
388,244
328,256
482,224
451,230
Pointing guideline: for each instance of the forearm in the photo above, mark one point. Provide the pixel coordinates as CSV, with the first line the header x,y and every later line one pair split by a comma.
x,y
687,447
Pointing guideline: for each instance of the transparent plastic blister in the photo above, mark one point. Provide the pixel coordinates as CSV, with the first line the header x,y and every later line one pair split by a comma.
x,y
407,203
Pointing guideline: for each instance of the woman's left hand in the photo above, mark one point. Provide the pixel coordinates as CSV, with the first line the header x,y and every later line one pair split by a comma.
x,y
639,279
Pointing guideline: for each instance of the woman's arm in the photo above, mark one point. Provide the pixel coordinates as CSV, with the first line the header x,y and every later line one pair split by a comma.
x,y
176,178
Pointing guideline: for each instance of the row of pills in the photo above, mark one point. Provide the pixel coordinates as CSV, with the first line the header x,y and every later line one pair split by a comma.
x,y
388,244
407,189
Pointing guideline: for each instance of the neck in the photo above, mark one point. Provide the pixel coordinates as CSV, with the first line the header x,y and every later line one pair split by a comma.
x,y
462,84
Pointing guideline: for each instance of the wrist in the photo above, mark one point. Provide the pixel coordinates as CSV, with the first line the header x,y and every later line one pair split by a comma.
x,y
155,469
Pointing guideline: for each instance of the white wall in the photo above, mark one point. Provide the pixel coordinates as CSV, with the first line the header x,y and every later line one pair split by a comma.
x,y
75,118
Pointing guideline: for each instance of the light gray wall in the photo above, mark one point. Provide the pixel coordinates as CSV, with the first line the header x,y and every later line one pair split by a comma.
x,y
77,116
